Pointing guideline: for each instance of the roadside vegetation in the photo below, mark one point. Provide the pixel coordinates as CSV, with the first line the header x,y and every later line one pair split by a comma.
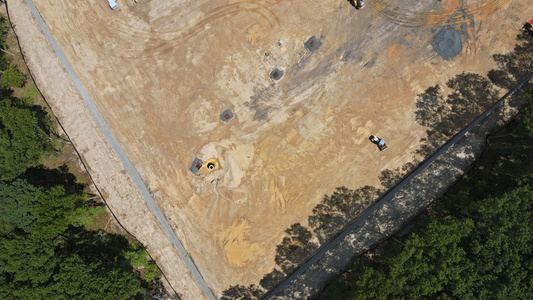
x,y
54,242
474,243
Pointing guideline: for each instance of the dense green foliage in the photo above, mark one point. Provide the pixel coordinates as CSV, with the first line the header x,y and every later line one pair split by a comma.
x,y
4,29
526,116
24,137
46,250
16,201
474,244
482,253
82,265
12,77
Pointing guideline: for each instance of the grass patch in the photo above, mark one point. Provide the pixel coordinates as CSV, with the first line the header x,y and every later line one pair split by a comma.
x,y
30,91
100,220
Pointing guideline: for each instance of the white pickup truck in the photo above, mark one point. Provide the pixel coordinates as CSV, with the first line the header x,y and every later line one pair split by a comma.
x,y
112,4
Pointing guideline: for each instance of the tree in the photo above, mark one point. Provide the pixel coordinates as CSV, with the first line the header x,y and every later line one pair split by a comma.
x,y
54,212
525,118
426,265
23,137
45,269
16,201
12,77
4,29
77,279
45,250
26,260
477,249
501,245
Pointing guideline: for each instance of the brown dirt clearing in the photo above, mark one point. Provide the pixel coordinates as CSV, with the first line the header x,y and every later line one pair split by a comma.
x,y
162,72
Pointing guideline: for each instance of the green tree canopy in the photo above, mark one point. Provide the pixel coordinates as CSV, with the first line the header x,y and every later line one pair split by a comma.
x,y
525,118
54,212
23,137
12,77
77,279
32,268
16,201
482,250
25,260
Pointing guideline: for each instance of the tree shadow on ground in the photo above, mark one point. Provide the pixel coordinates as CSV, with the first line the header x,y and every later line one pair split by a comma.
x,y
471,94
44,177
514,66
294,248
329,217
445,115
335,211
242,292
388,178
99,246
6,93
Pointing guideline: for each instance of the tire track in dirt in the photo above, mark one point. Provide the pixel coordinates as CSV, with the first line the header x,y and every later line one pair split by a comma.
x,y
212,15
213,18
461,14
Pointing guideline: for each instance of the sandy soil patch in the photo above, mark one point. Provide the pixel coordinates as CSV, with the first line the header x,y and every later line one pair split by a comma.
x,y
162,72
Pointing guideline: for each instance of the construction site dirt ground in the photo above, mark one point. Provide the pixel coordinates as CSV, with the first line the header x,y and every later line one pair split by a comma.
x,y
162,72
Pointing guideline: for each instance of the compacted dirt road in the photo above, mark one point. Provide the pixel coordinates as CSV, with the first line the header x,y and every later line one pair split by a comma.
x,y
162,72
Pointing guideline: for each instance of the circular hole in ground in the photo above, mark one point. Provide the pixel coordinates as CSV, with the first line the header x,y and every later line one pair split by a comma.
x,y
211,166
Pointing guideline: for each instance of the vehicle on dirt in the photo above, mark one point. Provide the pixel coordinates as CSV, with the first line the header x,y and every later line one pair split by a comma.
x,y
379,142
113,4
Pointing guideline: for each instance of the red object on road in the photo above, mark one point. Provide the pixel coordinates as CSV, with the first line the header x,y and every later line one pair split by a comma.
x,y
530,22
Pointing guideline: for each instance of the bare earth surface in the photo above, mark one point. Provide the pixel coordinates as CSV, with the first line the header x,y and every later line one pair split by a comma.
x,y
161,73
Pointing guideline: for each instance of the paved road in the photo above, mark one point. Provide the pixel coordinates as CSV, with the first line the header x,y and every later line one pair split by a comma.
x,y
121,154
390,195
